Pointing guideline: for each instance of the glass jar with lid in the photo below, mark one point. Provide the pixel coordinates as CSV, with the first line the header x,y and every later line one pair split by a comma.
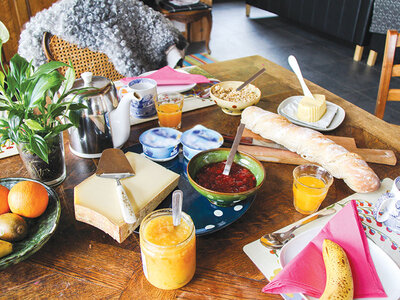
x,y
168,251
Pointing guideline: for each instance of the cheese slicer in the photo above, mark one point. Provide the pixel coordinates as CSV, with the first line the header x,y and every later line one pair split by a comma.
x,y
114,164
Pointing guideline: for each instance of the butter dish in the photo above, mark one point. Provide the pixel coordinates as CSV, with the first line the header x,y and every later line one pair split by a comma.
x,y
333,117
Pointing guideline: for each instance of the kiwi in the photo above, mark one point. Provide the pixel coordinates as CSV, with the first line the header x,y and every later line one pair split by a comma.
x,y
13,227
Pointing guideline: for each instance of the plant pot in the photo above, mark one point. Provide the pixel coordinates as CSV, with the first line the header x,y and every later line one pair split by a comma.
x,y
52,173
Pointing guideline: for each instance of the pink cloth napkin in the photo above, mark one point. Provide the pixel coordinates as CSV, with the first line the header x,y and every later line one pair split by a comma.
x,y
306,272
169,76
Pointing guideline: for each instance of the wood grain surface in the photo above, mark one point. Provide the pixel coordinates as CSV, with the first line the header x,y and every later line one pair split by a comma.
x,y
80,261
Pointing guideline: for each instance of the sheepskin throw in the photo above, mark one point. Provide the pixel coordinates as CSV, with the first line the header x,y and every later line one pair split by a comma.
x,y
133,35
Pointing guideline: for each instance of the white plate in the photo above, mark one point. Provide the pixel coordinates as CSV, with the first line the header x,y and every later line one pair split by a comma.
x,y
184,2
171,88
337,119
386,268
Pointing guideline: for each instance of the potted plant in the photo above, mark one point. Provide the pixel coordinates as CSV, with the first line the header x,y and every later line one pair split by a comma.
x,y
37,113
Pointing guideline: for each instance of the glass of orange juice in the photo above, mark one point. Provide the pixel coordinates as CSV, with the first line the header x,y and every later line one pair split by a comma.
x,y
168,251
169,109
310,186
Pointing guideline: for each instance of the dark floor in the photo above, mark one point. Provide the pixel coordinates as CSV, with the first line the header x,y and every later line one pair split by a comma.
x,y
325,61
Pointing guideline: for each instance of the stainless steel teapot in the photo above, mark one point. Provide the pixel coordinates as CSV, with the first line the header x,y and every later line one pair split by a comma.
x,y
105,123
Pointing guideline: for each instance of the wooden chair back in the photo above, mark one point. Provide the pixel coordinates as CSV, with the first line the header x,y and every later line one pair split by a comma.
x,y
389,70
83,60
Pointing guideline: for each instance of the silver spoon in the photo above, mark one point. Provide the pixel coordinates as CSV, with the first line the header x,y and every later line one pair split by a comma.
x,y
296,69
232,153
177,198
276,240
250,79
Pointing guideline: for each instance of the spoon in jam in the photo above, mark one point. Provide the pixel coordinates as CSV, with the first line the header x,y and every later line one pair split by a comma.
x,y
232,153
177,198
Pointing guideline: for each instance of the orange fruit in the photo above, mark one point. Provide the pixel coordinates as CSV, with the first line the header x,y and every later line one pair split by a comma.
x,y
4,208
28,199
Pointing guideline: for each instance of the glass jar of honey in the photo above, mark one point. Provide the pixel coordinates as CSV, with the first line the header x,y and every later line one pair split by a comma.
x,y
168,251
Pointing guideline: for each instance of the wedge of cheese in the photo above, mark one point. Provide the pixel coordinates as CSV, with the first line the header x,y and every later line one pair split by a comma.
x,y
96,200
311,110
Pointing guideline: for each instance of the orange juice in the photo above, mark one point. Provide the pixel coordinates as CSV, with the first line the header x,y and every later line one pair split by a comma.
x,y
169,115
168,251
308,192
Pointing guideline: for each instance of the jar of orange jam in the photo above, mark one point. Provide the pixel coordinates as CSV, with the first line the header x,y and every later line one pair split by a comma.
x,y
168,251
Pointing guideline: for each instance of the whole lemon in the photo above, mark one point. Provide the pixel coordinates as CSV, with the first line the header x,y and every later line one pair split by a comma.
x,y
28,199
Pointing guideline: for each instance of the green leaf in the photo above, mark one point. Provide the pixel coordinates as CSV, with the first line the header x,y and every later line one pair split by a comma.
x,y
74,117
33,125
69,79
14,121
48,67
18,67
2,76
57,129
44,83
39,147
77,106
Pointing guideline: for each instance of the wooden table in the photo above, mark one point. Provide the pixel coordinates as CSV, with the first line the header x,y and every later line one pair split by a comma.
x,y
80,261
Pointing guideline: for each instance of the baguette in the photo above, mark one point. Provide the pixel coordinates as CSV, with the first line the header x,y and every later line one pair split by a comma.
x,y
314,147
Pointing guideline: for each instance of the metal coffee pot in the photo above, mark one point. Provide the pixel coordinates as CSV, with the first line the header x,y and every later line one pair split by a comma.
x,y
105,123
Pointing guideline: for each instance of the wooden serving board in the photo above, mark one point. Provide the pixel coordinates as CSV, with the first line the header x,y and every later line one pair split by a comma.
x,y
378,156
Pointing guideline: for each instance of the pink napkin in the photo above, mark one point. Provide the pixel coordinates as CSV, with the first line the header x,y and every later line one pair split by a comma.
x,y
169,76
306,272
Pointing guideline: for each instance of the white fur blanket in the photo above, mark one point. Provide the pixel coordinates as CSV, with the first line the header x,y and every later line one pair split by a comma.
x,y
133,35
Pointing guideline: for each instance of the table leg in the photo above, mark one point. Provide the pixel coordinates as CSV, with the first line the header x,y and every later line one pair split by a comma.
x,y
209,21
372,58
358,53
248,10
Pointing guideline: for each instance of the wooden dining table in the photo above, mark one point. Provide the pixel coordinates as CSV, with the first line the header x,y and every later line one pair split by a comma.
x,y
81,261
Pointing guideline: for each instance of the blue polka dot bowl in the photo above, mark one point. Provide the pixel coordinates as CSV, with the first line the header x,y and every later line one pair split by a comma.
x,y
198,139
218,155
161,143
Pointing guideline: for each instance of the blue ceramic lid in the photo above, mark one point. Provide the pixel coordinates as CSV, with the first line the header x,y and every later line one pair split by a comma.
x,y
202,138
160,137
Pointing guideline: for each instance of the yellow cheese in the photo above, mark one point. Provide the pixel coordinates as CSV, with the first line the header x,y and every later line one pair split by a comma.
x,y
96,201
311,110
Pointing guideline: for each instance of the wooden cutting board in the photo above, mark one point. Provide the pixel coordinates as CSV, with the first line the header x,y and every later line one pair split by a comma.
x,y
378,156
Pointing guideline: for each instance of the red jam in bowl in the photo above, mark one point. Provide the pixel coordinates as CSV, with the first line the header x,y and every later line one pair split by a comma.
x,y
240,179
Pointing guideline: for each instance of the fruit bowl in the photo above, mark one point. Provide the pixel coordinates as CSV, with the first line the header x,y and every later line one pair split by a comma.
x,y
218,155
40,229
234,102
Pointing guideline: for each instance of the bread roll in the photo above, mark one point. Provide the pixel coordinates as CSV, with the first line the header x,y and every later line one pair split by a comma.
x,y
313,146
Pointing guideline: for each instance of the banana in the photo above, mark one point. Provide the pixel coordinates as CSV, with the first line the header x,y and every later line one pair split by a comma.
x,y
339,280
5,248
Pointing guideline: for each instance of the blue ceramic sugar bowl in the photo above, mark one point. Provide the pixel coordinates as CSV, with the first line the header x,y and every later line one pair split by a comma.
x,y
161,143
198,139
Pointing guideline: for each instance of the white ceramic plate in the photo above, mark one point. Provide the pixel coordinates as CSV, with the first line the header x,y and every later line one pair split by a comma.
x,y
184,2
337,119
388,271
172,88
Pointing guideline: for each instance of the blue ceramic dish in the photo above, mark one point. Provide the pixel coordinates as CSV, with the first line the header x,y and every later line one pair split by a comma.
x,y
161,143
198,139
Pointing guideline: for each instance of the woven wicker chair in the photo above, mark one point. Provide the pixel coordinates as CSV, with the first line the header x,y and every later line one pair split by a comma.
x,y
83,60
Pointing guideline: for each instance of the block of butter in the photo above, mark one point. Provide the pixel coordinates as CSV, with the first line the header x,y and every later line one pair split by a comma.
x,y
311,110
96,200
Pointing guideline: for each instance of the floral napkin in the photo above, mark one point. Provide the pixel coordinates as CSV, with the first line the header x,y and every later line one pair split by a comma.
x,y
306,272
